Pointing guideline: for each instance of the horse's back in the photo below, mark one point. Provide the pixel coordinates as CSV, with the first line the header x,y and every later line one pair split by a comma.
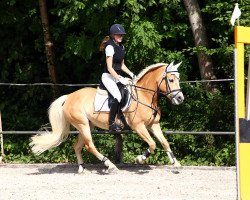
x,y
83,93
80,100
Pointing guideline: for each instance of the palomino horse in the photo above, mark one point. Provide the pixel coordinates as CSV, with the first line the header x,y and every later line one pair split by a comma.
x,y
142,116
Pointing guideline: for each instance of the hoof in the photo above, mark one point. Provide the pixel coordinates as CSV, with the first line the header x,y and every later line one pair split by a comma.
x,y
111,167
139,160
83,170
176,164
111,170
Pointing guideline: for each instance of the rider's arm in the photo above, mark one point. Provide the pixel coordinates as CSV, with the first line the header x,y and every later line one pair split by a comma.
x,y
126,70
109,61
109,51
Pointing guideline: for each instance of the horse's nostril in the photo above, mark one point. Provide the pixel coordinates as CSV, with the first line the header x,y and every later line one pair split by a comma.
x,y
180,98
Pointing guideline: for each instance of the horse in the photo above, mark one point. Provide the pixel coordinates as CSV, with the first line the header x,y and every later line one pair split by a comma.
x,y
143,115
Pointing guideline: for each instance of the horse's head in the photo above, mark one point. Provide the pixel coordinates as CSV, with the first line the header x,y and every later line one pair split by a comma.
x,y
161,78
170,85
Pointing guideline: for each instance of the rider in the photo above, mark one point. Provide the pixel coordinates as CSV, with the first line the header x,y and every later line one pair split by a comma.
x,y
114,65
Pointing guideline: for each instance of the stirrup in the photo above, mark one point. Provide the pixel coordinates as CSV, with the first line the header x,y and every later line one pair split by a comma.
x,y
114,127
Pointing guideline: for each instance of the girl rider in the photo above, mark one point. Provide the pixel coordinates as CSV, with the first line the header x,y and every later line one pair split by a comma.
x,y
114,51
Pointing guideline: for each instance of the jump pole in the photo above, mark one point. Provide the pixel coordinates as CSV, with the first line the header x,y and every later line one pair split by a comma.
x,y
242,124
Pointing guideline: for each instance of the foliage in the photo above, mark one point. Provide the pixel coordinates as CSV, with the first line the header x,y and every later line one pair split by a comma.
x,y
157,31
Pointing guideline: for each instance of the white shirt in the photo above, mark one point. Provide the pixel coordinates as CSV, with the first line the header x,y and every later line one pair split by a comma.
x,y
109,51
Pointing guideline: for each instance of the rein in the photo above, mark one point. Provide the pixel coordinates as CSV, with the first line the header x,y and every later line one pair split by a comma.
x,y
137,100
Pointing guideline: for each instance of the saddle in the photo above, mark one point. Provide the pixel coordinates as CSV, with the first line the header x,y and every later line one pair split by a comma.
x,y
103,98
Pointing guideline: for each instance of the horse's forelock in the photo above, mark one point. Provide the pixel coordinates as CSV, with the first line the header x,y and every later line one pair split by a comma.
x,y
149,68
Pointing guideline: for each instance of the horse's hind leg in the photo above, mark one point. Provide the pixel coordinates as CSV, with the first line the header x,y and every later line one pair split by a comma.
x,y
78,151
85,139
156,130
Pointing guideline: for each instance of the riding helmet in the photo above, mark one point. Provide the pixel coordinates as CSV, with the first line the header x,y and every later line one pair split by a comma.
x,y
117,29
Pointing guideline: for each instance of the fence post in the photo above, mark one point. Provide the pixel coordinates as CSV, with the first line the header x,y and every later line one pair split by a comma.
x,y
118,148
1,139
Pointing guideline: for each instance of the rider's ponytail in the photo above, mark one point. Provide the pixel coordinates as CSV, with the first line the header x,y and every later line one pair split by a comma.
x,y
104,41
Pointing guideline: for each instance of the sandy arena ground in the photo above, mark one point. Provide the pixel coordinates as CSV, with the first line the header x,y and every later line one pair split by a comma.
x,y
61,181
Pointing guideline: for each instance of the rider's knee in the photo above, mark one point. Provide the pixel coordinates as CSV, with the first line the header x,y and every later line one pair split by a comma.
x,y
118,97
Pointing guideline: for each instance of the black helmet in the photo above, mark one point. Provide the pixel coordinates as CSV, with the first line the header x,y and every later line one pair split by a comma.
x,y
117,29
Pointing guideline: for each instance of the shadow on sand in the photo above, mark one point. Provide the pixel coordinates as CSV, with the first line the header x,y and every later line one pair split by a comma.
x,y
92,168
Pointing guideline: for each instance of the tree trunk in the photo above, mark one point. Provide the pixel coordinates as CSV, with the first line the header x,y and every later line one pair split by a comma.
x,y
200,38
49,46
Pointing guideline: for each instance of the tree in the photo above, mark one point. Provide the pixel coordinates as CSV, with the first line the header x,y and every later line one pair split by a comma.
x,y
48,43
201,42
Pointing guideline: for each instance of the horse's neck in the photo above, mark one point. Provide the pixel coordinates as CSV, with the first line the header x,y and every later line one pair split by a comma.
x,y
149,80
149,83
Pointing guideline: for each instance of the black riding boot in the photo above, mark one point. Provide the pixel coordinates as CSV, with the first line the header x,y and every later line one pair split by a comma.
x,y
113,111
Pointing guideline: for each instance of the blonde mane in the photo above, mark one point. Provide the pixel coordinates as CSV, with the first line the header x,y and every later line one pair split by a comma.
x,y
144,71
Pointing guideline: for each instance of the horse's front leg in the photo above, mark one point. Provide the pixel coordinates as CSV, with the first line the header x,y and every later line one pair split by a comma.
x,y
156,130
142,131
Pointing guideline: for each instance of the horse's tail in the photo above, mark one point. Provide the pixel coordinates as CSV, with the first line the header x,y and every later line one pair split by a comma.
x,y
60,129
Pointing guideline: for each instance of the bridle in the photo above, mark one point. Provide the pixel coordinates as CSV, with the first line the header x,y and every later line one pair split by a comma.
x,y
170,94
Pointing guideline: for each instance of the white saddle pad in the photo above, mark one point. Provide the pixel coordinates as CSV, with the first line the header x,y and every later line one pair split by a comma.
x,y
101,101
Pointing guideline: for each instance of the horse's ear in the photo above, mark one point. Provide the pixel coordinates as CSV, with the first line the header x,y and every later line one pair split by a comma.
x,y
175,68
170,67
